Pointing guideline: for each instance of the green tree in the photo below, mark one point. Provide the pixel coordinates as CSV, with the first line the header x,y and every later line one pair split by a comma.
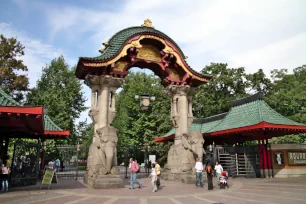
x,y
216,96
259,82
59,91
85,135
288,97
138,128
11,80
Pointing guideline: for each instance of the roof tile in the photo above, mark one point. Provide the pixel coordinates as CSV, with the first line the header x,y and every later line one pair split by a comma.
x,y
116,42
6,100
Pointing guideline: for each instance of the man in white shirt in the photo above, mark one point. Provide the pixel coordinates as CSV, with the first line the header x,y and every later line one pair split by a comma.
x,y
218,169
51,164
199,169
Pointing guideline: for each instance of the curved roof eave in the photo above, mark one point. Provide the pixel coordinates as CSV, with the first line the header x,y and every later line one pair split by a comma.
x,y
117,41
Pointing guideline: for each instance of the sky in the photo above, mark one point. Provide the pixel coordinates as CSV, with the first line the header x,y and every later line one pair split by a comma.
x,y
266,34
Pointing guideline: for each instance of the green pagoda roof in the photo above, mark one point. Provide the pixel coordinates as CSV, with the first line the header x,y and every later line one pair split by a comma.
x,y
250,113
245,113
6,100
116,42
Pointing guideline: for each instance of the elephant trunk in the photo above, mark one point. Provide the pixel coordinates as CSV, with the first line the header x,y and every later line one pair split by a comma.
x,y
109,153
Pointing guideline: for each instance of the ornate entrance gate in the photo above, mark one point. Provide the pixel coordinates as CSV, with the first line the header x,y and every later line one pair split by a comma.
x,y
143,47
72,165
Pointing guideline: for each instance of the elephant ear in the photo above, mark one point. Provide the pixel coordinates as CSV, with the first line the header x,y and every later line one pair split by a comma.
x,y
186,142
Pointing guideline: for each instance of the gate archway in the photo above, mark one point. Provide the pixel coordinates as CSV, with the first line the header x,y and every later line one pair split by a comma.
x,y
143,47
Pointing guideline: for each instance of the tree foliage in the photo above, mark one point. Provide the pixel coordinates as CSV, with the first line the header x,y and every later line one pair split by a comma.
x,y
284,92
288,97
12,80
138,128
216,96
59,91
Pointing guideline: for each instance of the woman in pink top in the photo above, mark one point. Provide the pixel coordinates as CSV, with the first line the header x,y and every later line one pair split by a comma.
x,y
5,172
134,167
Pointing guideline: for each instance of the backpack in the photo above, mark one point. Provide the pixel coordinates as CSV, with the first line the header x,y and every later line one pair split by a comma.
x,y
157,169
137,169
208,169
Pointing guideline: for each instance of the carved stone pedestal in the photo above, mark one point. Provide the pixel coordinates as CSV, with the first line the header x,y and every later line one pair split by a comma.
x,y
104,181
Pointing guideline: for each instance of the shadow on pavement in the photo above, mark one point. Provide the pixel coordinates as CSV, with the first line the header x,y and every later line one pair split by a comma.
x,y
62,184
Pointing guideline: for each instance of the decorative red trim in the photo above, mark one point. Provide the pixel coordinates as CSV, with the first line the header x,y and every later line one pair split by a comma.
x,y
38,110
262,125
162,139
82,62
60,133
259,126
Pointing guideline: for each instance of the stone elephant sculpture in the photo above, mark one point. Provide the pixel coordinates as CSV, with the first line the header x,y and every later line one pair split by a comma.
x,y
108,141
181,157
96,160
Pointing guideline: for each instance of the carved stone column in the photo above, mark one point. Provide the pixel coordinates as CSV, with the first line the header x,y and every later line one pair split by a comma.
x,y
181,109
103,107
188,145
102,157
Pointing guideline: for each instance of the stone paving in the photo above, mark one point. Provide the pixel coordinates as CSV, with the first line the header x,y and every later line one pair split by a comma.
x,y
241,191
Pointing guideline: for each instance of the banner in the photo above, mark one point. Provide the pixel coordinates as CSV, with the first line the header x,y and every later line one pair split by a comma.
x,y
297,158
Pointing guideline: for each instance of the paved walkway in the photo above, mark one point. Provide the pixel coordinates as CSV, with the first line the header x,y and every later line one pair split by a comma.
x,y
241,191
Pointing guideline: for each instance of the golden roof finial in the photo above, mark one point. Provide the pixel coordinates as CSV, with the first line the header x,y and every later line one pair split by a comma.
x,y
101,50
105,44
147,23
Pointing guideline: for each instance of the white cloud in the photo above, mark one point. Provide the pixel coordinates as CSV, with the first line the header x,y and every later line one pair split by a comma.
x,y
37,53
207,31
254,34
290,53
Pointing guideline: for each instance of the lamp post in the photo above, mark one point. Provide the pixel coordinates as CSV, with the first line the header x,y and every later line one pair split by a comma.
x,y
145,100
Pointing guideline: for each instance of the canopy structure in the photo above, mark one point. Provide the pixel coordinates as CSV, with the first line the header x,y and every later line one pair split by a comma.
x,y
17,121
249,119
143,47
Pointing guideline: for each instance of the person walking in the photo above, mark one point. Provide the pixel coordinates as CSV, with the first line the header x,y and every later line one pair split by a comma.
x,y
209,173
218,169
51,165
158,173
134,167
5,172
153,177
199,170
57,164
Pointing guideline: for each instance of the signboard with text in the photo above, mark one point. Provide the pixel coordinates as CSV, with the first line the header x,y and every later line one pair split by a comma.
x,y
297,158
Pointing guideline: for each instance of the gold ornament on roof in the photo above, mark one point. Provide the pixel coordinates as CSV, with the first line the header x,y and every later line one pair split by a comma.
x,y
147,23
101,50
105,44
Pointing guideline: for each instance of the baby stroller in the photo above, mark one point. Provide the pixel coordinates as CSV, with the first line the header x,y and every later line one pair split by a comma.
x,y
223,180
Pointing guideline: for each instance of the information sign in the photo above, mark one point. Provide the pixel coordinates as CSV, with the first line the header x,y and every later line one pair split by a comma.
x,y
49,177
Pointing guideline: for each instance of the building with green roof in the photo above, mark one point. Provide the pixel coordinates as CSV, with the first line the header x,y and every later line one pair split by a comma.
x,y
249,119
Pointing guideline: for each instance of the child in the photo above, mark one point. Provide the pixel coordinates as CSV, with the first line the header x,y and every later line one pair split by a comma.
x,y
153,175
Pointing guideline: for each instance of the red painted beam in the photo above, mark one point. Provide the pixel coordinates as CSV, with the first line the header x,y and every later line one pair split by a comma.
x,y
163,139
59,133
25,110
277,128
